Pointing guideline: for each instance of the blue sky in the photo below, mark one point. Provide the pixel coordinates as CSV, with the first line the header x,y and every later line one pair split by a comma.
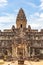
x,y
33,10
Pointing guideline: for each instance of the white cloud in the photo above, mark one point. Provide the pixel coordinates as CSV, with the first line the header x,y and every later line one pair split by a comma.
x,y
31,4
36,22
16,10
35,25
41,5
3,0
34,5
7,18
36,14
41,15
7,21
3,3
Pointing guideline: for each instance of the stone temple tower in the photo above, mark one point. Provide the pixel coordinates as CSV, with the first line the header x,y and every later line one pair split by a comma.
x,y
21,20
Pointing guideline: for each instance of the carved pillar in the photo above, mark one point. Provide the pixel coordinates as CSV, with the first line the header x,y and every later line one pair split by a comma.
x,y
26,54
33,53
23,53
29,51
13,51
8,52
16,51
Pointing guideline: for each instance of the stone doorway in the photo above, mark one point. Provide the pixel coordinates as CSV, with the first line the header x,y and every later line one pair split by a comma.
x,y
20,53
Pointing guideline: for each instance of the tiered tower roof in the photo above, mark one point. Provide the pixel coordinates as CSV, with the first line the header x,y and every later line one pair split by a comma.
x,y
21,14
21,20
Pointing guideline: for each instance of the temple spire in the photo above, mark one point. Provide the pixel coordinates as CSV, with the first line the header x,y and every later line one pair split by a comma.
x,y
21,19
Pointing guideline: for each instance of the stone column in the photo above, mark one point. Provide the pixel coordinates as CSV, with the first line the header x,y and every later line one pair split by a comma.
x,y
13,51
26,54
16,51
29,51
23,53
33,53
8,52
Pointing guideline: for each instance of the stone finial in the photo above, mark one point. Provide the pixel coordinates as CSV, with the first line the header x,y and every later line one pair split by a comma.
x,y
13,27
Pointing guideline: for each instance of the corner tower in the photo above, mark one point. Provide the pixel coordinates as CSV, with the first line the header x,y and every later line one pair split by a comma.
x,y
21,20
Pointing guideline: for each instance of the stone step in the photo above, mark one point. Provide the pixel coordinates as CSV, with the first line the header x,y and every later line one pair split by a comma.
x,y
20,62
